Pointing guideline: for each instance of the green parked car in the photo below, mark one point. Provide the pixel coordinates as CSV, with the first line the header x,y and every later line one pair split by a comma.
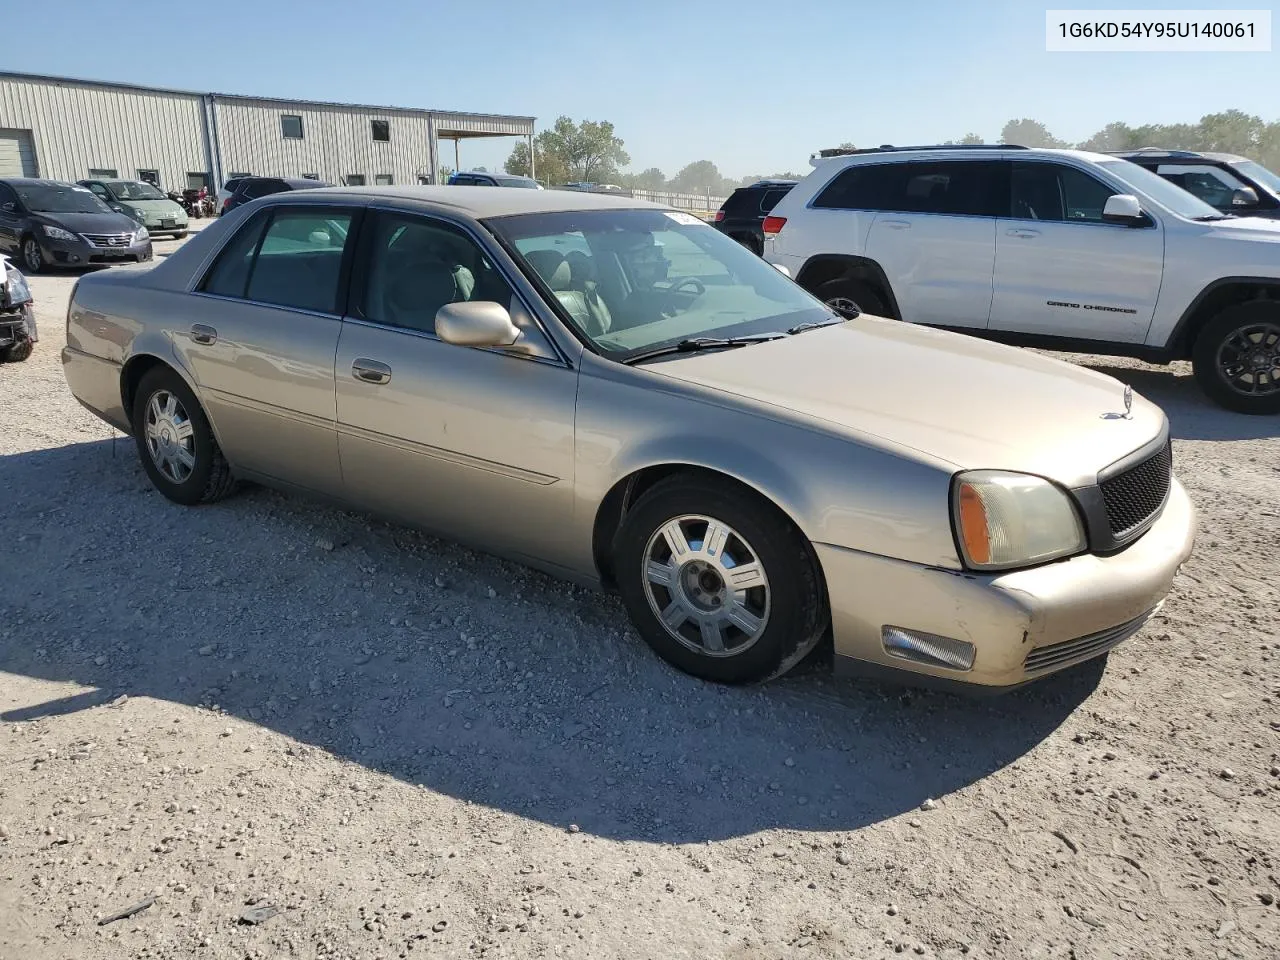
x,y
143,202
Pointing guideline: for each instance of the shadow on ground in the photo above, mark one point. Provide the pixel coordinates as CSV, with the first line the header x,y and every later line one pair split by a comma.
x,y
550,708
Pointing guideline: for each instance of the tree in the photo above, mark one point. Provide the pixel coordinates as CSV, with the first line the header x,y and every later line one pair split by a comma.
x,y
570,151
1029,133
701,176
651,179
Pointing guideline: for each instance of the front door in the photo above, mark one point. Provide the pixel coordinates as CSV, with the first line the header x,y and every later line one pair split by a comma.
x,y
935,240
10,219
1061,270
259,337
475,444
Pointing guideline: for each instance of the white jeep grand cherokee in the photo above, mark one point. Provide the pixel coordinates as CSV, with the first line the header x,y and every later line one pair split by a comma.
x,y
1050,248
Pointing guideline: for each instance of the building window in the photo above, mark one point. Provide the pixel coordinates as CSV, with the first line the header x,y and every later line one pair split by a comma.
x,y
383,180
290,126
354,179
102,173
382,130
150,176
311,176
196,181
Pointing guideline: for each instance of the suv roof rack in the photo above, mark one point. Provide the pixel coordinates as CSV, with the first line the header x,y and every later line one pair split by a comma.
x,y
1158,152
890,148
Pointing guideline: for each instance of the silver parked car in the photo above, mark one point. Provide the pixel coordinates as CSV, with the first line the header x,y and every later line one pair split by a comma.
x,y
617,393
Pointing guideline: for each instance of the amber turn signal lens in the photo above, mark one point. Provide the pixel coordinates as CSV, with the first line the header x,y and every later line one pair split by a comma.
x,y
973,525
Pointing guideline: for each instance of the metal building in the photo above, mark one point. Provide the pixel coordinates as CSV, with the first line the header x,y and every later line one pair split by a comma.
x,y
67,129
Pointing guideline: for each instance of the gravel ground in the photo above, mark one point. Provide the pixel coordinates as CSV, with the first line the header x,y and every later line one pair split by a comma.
x,y
410,749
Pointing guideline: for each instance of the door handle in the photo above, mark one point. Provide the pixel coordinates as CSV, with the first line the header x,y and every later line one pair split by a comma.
x,y
1022,233
370,371
203,334
895,224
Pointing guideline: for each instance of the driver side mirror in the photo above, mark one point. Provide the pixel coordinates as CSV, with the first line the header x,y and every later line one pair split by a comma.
x,y
479,323
1244,197
1124,209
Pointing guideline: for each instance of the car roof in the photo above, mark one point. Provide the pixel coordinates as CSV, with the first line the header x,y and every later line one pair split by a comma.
x,y
481,202
35,182
1178,156
953,152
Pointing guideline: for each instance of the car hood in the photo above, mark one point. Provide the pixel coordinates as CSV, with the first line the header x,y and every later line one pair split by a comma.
x,y
90,222
156,207
1247,228
955,398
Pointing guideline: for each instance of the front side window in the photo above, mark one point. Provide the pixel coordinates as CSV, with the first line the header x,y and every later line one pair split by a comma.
x,y
381,130
290,257
59,198
416,266
291,127
1051,191
632,280
100,191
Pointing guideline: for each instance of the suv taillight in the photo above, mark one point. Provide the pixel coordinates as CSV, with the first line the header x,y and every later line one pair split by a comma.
x,y
719,215
772,226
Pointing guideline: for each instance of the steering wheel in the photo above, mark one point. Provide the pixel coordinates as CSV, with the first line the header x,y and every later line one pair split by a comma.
x,y
699,287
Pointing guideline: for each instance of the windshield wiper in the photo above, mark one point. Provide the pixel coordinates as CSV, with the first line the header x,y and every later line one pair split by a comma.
x,y
1216,216
700,343
815,324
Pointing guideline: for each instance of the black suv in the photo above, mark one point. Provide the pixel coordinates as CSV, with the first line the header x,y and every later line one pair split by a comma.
x,y
1226,182
251,188
474,178
743,213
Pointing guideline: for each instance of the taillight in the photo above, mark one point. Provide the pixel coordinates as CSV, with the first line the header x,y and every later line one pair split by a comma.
x,y
719,215
772,226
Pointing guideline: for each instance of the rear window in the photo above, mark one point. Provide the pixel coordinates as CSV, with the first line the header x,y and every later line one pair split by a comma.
x,y
771,198
743,202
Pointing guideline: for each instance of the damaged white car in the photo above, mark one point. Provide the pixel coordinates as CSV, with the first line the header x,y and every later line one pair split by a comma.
x,y
17,315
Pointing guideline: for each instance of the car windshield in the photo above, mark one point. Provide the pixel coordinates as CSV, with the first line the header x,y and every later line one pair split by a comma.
x,y
134,190
1170,196
60,198
518,182
1260,174
634,280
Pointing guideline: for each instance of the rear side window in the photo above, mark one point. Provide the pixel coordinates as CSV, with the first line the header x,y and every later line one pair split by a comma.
x,y
960,188
289,258
866,187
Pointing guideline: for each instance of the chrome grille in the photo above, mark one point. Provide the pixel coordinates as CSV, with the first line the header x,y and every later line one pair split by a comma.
x,y
1057,655
1135,495
109,239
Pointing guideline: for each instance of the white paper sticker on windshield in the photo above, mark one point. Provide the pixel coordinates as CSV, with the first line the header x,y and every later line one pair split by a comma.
x,y
687,219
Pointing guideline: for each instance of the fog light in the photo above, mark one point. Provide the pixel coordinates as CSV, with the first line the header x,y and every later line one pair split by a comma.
x,y
928,648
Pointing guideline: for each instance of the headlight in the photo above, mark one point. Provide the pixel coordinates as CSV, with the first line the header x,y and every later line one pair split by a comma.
x,y
141,235
19,292
57,233
1004,520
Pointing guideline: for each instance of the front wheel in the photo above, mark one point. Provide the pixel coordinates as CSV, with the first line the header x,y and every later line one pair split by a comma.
x,y
718,582
17,353
849,296
32,257
1236,358
176,445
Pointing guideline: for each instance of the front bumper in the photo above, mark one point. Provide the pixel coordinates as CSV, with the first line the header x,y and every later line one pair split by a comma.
x,y
18,325
179,225
1023,625
80,252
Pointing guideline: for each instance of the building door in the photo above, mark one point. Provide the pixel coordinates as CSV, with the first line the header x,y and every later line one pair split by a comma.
x,y
17,155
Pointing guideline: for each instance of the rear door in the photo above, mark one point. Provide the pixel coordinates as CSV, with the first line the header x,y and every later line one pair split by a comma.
x,y
934,236
1062,271
259,336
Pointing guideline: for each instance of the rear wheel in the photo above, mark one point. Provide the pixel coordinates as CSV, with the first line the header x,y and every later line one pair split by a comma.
x,y
176,445
1236,357
841,295
718,582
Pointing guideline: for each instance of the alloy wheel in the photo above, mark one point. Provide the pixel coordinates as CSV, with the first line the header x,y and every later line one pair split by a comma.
x,y
706,585
169,436
1249,359
31,256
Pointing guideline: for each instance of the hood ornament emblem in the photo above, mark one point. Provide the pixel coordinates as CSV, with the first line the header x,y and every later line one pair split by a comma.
x,y
1128,407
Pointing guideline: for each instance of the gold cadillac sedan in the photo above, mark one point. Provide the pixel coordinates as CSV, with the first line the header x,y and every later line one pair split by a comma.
x,y
616,393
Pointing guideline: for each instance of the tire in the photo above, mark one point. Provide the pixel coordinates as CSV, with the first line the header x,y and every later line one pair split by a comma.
x,y
32,258
180,236
1244,340
18,352
789,609
203,475
854,292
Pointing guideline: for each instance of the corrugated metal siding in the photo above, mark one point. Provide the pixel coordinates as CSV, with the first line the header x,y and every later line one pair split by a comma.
x,y
336,141
76,127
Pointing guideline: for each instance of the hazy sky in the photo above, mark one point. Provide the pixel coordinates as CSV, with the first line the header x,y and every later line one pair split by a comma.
x,y
755,87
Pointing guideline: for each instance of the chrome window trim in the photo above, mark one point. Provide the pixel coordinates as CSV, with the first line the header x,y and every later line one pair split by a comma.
x,y
270,306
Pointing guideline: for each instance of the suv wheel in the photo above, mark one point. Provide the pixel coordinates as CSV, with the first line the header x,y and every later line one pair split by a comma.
x,y
1236,357
840,295
717,583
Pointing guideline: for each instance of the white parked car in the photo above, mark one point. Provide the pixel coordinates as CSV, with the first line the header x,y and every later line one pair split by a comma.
x,y
1053,248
